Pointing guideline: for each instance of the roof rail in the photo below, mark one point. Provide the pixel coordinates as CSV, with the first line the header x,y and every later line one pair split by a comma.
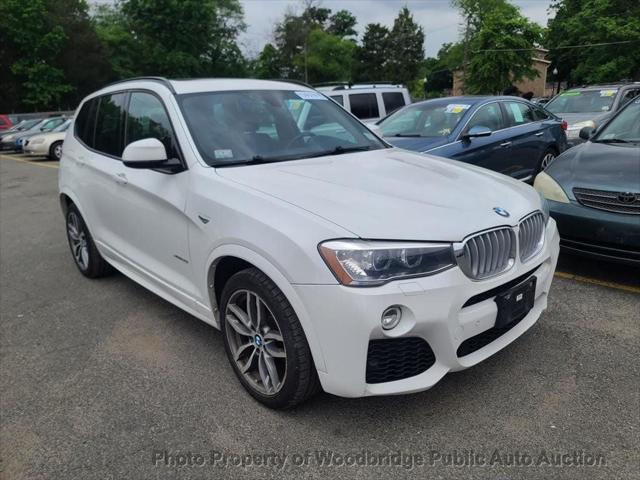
x,y
161,80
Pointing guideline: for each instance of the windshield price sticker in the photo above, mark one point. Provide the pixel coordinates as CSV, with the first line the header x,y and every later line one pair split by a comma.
x,y
223,153
607,93
307,95
456,108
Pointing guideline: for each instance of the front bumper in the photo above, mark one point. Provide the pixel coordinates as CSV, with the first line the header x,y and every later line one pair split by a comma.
x,y
346,319
597,233
37,149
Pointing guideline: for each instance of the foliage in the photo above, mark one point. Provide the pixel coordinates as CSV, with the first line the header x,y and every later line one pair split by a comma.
x,y
29,42
406,54
342,24
579,22
497,50
372,55
328,57
268,64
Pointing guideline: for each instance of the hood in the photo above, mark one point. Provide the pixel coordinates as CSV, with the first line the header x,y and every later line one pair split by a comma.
x,y
417,144
393,194
598,166
573,118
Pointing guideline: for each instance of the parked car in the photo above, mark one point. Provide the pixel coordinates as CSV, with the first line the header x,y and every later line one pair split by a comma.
x,y
590,106
9,135
5,122
594,190
368,102
48,143
46,125
506,134
327,257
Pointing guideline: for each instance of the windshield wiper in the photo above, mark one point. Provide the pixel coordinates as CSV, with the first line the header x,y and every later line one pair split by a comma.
x,y
612,140
407,135
255,160
338,151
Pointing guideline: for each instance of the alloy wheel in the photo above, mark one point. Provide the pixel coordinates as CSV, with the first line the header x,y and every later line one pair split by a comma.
x,y
78,241
256,342
57,151
547,159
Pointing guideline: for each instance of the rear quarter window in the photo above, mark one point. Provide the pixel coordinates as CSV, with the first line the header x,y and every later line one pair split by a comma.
x,y
392,101
364,105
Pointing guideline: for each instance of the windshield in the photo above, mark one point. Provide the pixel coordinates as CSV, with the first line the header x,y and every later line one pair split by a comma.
x,y
62,127
240,127
30,124
623,128
424,120
583,101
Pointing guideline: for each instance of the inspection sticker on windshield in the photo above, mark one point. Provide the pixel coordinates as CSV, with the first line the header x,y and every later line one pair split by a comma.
x,y
607,93
305,95
456,108
223,153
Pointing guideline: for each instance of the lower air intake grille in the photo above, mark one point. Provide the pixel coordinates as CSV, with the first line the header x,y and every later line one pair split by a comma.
x,y
618,202
483,339
397,358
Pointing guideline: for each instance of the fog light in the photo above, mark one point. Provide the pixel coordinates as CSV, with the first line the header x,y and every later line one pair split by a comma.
x,y
391,317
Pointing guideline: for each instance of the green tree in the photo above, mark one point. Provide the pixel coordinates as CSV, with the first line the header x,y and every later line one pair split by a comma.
x,y
406,50
342,24
498,45
268,64
579,22
372,56
176,39
29,43
328,57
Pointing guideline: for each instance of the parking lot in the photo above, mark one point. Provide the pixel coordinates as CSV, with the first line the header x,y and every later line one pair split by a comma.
x,y
103,379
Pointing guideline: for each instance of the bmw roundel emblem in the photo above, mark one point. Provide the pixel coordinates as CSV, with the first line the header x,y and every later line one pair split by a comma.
x,y
501,211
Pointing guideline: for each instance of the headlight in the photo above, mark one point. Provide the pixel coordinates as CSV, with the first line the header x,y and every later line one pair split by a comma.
x,y
573,131
9,138
360,263
549,188
545,208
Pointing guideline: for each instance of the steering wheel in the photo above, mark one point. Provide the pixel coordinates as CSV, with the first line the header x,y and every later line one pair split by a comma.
x,y
298,137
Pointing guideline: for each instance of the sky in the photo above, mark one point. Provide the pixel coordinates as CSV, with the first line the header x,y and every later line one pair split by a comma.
x,y
440,21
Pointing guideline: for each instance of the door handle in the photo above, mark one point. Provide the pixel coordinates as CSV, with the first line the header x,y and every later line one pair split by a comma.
x,y
505,144
121,178
539,134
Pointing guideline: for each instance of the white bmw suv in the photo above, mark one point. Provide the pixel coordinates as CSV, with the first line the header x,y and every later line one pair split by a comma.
x,y
328,258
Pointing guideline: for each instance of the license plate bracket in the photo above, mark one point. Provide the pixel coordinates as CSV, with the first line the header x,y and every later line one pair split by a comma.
x,y
515,303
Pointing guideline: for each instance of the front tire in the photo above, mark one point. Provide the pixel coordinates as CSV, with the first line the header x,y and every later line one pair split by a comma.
x,y
55,151
83,249
264,341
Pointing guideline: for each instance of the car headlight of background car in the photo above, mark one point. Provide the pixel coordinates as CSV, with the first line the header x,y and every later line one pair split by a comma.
x,y
573,131
549,189
368,263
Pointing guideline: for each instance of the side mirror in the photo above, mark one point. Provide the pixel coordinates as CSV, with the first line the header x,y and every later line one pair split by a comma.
x,y
586,132
477,131
150,153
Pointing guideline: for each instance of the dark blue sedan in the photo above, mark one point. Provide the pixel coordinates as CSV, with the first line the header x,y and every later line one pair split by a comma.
x,y
507,134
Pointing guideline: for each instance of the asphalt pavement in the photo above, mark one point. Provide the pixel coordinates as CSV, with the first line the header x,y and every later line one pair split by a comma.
x,y
104,380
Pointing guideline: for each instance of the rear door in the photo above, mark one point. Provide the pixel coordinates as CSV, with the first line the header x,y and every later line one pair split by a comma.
x,y
490,152
529,136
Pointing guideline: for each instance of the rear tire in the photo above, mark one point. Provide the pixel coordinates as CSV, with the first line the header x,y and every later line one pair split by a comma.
x,y
55,151
264,341
83,249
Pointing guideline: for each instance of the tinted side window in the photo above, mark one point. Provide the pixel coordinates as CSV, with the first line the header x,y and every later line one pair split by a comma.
x,y
86,121
540,114
147,118
338,99
519,113
364,105
489,116
109,124
392,101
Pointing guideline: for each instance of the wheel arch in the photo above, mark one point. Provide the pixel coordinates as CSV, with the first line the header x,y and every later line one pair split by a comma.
x,y
226,260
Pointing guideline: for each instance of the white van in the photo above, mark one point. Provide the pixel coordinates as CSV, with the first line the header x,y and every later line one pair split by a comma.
x,y
369,102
